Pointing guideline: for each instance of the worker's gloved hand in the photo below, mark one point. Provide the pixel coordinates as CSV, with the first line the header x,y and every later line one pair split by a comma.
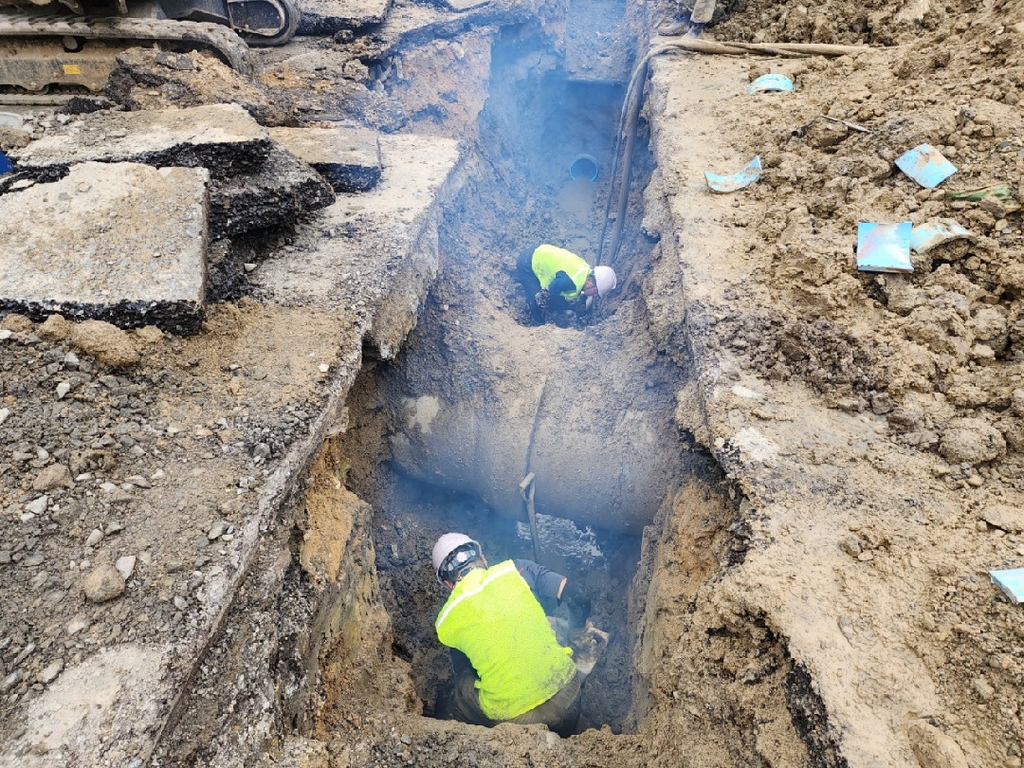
x,y
587,646
578,603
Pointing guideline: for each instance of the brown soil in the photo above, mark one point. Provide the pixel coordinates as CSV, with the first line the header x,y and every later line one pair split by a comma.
x,y
822,601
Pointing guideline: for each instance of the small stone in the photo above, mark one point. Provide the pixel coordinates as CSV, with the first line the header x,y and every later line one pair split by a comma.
x,y
10,681
75,626
139,481
103,583
94,538
49,674
983,688
4,413
180,602
324,368
125,566
38,506
112,528
217,530
851,545
62,390
975,481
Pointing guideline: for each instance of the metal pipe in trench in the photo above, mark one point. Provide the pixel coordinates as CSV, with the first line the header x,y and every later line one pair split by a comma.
x,y
604,450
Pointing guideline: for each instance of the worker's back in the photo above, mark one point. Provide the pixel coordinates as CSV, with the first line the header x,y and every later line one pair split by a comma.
x,y
494,618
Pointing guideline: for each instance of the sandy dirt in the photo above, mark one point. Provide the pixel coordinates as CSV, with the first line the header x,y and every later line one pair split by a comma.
x,y
822,600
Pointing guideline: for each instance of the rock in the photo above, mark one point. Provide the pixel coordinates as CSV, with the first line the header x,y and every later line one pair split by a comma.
x,y
54,476
933,748
49,674
972,441
10,681
1004,517
4,414
1016,402
94,538
906,417
38,506
75,626
125,566
851,545
62,390
107,343
103,583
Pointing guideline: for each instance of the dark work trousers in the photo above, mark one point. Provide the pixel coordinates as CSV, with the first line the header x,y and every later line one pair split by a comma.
x,y
560,713
530,283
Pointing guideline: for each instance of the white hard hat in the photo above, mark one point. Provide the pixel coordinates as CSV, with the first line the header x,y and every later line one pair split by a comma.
x,y
448,544
604,278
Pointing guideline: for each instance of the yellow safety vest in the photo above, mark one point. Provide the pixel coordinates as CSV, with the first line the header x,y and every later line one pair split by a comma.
x,y
494,618
548,260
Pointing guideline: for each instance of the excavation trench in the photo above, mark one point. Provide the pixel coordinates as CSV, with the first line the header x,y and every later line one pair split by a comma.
x,y
439,440
480,397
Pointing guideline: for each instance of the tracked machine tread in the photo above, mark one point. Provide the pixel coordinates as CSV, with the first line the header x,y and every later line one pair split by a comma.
x,y
20,29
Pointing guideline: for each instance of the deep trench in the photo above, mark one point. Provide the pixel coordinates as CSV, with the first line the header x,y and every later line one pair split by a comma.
x,y
535,126
537,130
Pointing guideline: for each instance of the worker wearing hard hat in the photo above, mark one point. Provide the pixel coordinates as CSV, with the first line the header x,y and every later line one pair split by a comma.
x,y
508,664
554,279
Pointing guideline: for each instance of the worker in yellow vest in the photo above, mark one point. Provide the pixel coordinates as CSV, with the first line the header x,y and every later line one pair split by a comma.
x,y
555,280
508,664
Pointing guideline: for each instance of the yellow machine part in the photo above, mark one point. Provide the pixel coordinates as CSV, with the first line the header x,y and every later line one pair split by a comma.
x,y
37,64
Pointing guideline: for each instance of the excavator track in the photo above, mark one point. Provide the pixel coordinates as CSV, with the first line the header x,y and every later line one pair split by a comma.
x,y
40,51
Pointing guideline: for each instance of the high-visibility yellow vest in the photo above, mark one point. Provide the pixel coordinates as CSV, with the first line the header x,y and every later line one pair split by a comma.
x,y
494,618
548,260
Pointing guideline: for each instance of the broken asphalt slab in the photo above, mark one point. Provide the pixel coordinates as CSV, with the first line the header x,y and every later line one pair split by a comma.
x,y
120,242
124,702
279,192
221,137
349,158
328,16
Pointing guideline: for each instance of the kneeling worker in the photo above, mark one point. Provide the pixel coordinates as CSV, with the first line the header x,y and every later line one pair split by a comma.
x,y
557,277
508,664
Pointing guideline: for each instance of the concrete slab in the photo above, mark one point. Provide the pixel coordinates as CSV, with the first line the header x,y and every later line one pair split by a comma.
x,y
348,158
360,243
281,191
321,17
221,137
120,242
